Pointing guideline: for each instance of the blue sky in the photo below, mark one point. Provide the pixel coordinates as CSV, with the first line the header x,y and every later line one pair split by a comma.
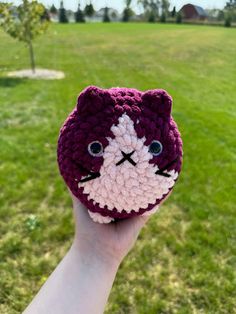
x,y
119,4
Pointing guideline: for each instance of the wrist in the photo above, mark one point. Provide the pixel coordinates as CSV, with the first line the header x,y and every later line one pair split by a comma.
x,y
92,256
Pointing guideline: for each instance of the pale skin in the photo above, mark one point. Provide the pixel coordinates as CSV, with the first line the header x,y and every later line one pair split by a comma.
x,y
82,281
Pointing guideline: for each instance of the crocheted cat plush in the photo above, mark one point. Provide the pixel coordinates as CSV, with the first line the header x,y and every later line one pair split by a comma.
x,y
120,151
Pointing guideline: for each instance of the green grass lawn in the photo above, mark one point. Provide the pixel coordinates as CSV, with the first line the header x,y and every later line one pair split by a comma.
x,y
185,258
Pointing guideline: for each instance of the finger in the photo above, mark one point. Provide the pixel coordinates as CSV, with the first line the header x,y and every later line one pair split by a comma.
x,y
140,221
165,198
81,214
134,224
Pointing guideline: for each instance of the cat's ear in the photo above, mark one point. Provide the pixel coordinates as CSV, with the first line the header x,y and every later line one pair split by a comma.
x,y
92,100
158,100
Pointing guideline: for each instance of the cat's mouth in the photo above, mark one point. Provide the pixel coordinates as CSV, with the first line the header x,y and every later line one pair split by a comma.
x,y
126,157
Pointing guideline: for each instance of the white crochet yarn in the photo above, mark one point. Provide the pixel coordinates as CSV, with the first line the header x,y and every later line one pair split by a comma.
x,y
106,219
127,187
99,218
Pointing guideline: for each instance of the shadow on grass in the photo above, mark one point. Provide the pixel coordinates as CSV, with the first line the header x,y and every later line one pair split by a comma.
x,y
10,81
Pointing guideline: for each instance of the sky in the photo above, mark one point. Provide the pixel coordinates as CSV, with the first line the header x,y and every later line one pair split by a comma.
x,y
119,4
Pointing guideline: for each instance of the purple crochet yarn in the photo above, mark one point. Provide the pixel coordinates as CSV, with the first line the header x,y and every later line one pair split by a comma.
x,y
120,151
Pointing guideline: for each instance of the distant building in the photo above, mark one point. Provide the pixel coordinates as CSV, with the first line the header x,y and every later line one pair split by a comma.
x,y
193,12
54,17
98,16
70,15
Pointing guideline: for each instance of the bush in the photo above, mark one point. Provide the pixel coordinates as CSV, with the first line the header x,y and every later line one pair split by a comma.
x,y
62,14
127,14
53,9
163,18
89,10
173,13
152,17
79,16
106,17
228,21
179,18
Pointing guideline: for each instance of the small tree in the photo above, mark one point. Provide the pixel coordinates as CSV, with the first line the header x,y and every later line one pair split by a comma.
x,y
114,15
163,17
46,15
127,13
228,21
62,14
24,23
179,18
53,9
230,12
165,4
106,17
221,15
79,15
173,13
151,8
151,17
89,10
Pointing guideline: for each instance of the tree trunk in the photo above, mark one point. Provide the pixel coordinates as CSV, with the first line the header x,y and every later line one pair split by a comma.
x,y
32,61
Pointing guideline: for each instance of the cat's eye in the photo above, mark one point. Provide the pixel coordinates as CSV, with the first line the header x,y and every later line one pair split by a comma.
x,y
95,149
155,148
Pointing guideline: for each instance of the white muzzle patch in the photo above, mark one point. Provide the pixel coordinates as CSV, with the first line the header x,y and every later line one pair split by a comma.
x,y
126,186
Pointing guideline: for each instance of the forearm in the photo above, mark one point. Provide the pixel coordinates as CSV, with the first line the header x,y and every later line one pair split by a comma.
x,y
80,284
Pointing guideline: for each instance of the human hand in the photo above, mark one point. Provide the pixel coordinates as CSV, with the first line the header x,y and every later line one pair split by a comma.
x,y
108,242
82,281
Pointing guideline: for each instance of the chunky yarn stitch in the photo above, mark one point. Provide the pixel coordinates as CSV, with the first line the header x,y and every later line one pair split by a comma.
x,y
120,151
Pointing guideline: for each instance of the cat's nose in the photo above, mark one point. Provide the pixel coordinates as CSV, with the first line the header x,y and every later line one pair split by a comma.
x,y
126,156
